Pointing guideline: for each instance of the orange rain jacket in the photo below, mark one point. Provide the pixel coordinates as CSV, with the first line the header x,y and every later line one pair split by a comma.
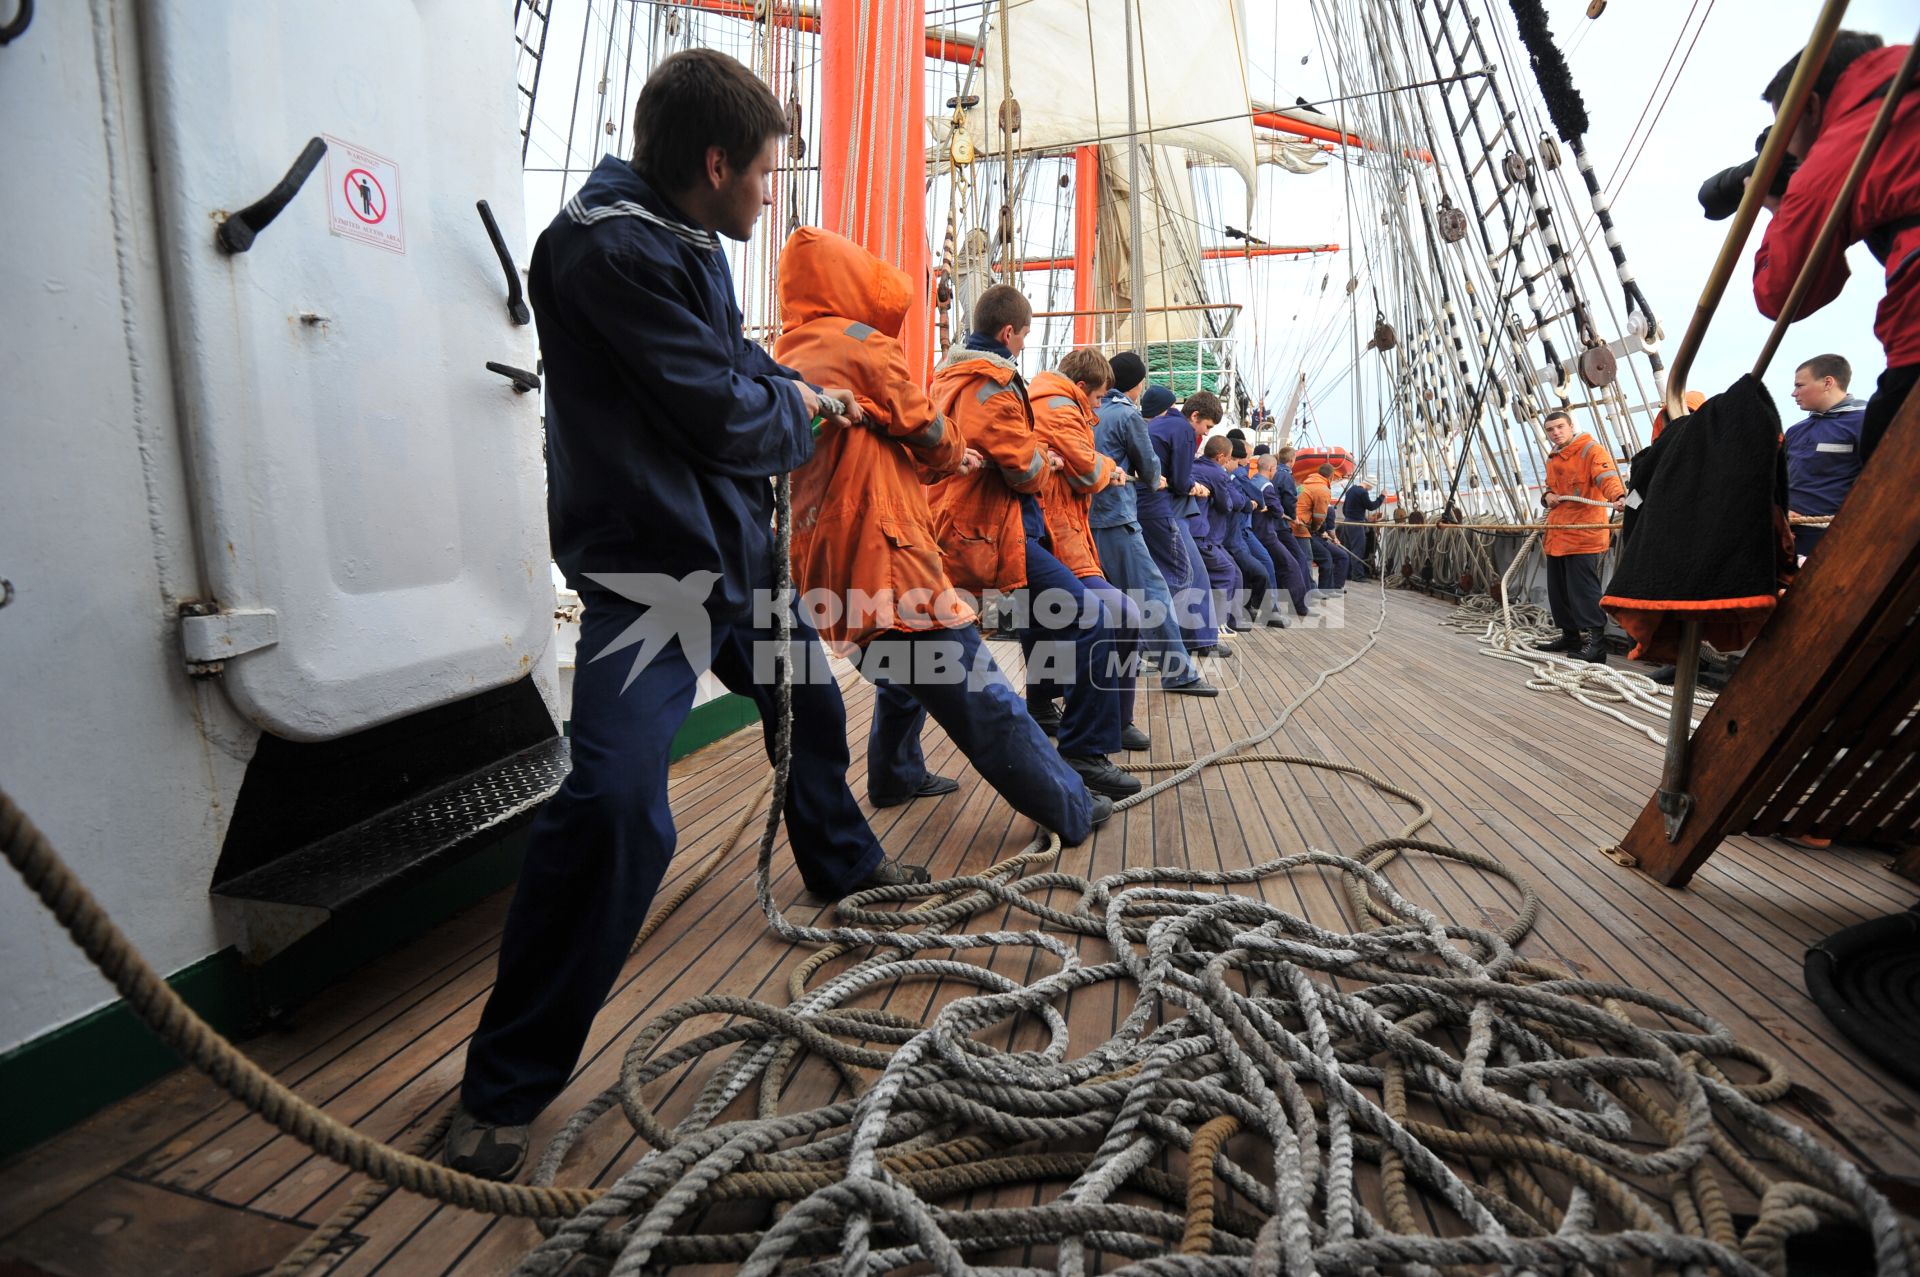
x,y
862,531
1316,495
1581,469
975,516
1064,419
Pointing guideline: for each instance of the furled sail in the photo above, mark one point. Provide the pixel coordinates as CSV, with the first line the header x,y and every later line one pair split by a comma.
x,y
1068,72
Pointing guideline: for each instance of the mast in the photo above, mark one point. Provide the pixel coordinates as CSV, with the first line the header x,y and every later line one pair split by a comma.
x,y
872,141
1086,221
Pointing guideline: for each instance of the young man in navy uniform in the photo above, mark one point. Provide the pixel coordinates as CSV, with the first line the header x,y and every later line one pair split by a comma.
x,y
1823,450
664,425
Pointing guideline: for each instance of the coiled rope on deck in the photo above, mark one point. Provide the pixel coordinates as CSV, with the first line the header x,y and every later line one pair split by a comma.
x,y
1241,1009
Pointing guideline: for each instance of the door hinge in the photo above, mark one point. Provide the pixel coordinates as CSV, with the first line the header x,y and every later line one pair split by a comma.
x,y
210,637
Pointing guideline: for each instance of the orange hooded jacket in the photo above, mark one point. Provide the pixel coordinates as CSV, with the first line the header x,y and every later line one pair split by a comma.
x,y
975,515
1310,515
1064,420
1581,469
862,532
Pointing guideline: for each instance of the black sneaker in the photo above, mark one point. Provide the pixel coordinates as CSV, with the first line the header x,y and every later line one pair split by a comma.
x,y
1048,717
1102,777
485,1152
891,873
1133,739
931,787
1101,810
1192,687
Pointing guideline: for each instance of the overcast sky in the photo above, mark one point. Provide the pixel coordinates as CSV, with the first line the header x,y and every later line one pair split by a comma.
x,y
1708,123
1730,49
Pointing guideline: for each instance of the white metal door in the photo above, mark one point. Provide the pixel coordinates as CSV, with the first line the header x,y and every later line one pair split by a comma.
x,y
370,498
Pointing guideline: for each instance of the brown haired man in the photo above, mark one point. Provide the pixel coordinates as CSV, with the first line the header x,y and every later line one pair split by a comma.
x,y
1582,483
663,426
994,535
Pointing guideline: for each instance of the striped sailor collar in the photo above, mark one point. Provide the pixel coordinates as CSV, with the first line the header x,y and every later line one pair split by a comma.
x,y
615,190
1841,409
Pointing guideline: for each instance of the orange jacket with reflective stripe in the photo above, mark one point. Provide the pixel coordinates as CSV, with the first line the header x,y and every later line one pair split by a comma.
x,y
1064,419
864,554
1310,515
1581,469
975,515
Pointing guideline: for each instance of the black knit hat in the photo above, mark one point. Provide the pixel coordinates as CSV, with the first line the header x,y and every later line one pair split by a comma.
x,y
1156,401
1128,372
1239,434
1261,449
1239,446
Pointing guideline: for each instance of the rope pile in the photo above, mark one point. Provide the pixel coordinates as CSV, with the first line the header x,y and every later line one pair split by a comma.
x,y
1516,1115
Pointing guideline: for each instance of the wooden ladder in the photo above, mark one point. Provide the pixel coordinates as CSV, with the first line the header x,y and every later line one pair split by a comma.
x,y
1818,731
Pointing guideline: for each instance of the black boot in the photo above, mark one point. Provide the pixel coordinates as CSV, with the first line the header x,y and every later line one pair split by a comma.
x,y
1595,652
1569,641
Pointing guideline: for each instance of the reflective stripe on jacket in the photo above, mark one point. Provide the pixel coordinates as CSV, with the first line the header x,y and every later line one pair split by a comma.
x,y
976,516
1065,421
1581,469
863,540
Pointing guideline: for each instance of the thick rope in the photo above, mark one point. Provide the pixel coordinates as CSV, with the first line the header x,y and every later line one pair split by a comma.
x,y
1231,1016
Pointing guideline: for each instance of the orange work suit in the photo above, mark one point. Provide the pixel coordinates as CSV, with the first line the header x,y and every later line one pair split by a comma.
x,y
863,541
1581,469
975,516
1310,514
1064,420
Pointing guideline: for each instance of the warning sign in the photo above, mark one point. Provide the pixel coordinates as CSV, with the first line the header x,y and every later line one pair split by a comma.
x,y
363,196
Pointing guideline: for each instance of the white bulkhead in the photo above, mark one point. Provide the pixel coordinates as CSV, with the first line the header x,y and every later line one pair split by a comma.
x,y
301,439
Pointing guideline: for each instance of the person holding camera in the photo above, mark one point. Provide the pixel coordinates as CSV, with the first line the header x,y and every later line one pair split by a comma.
x,y
1884,214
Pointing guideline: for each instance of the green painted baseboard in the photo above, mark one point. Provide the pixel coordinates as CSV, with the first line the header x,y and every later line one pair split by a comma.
x,y
67,1073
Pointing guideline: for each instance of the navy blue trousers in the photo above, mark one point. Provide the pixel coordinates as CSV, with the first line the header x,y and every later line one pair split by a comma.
x,y
1223,576
1126,561
1288,573
598,850
1256,569
1066,630
1354,538
952,675
1324,571
1178,558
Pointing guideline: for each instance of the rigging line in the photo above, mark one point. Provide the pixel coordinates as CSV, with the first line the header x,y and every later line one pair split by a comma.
x,y
579,72
1620,183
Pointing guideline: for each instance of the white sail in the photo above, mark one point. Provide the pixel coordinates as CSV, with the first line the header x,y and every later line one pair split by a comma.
x,y
1068,71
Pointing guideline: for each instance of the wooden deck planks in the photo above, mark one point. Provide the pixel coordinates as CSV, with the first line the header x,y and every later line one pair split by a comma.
x,y
1533,780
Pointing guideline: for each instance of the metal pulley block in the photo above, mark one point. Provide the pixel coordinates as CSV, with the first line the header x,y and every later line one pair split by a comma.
x,y
1515,166
1597,367
1453,222
1549,153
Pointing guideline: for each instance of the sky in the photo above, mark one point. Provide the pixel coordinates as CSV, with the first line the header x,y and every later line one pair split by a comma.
x,y
1695,68
1707,123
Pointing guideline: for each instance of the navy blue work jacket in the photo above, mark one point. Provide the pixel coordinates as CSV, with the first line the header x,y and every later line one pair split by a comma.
x,y
1823,457
664,423
1122,435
